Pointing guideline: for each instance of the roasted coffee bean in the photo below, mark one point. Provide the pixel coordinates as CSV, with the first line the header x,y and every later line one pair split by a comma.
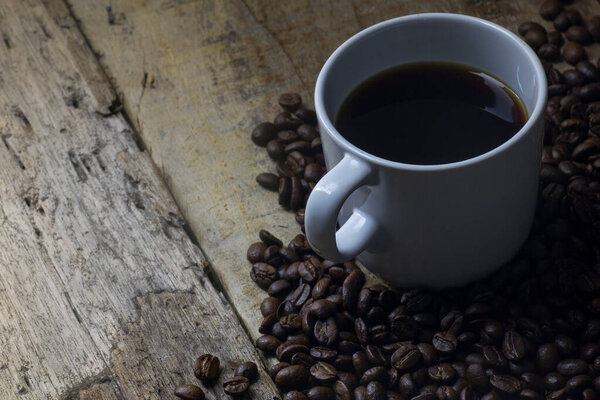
x,y
446,393
351,288
374,355
513,345
425,396
378,373
555,38
444,342
247,369
267,324
275,368
294,395
285,120
296,194
392,396
268,343
565,345
535,38
428,353
342,391
302,359
189,392
206,367
557,394
309,271
573,77
285,192
466,394
527,394
263,274
322,308
275,150
477,377
320,393
547,357
290,101
319,290
268,181
589,394
236,385
306,115
532,381
579,34
548,52
292,376
325,331
589,70
313,172
572,367
323,372
263,133
269,239
287,136
375,391
527,26
505,383
279,288
286,350
442,373
578,383
554,381
307,132
562,22
360,393
405,357
593,26
550,9
573,52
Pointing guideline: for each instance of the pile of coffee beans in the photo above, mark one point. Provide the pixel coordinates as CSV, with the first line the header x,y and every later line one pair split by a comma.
x,y
530,331
207,369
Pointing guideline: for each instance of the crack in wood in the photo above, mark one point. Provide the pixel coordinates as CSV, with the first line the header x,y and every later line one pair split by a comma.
x,y
77,166
12,151
73,392
7,41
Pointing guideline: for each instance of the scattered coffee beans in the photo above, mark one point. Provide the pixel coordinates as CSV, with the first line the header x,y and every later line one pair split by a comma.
x,y
530,331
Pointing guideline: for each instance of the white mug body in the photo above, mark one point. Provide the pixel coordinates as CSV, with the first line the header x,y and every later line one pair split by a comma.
x,y
439,225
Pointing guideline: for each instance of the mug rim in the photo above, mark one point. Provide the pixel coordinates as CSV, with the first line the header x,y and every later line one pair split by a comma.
x,y
534,116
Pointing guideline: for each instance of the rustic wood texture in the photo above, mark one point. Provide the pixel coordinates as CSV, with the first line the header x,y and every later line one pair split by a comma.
x,y
198,75
103,295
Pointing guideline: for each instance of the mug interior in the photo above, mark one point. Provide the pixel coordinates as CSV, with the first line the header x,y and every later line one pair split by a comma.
x,y
431,37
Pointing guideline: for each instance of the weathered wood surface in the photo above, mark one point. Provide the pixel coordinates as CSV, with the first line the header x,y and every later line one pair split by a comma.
x,y
198,75
103,295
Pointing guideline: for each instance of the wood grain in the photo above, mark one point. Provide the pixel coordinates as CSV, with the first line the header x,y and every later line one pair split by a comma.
x,y
103,295
198,75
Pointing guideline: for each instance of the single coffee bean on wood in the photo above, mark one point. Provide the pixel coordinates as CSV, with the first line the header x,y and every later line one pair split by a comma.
x,y
207,367
236,385
189,392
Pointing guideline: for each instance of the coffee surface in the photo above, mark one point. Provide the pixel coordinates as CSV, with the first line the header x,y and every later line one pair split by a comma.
x,y
430,113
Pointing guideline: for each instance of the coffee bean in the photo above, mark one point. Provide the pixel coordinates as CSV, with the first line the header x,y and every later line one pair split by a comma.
x,y
442,373
589,394
590,92
375,391
593,26
405,357
579,34
550,9
573,77
263,133
527,26
572,367
189,392
325,331
555,38
573,52
557,394
206,367
323,372
505,383
535,38
268,343
236,385
294,395
444,342
279,288
342,391
589,70
322,308
549,51
466,394
285,120
378,373
477,377
290,101
320,393
351,288
275,150
310,271
532,381
375,356
291,376
513,346
268,181
424,396
562,22
263,274
306,115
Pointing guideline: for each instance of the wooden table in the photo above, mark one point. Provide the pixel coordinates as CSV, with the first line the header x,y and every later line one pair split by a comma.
x,y
123,236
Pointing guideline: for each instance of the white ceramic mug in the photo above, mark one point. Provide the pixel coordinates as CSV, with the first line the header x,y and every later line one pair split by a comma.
x,y
427,225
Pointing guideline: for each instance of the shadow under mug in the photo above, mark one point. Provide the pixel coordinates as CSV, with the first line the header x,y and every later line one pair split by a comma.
x,y
440,225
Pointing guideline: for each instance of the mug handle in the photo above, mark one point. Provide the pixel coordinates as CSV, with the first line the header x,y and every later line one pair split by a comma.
x,y
323,207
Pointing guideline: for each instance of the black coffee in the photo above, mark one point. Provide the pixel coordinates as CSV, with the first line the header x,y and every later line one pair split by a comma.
x,y
430,113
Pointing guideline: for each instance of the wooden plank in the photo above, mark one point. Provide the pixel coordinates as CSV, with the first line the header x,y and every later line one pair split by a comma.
x,y
103,295
198,75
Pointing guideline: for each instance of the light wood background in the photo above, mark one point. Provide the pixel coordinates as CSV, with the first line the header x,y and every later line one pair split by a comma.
x,y
110,287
